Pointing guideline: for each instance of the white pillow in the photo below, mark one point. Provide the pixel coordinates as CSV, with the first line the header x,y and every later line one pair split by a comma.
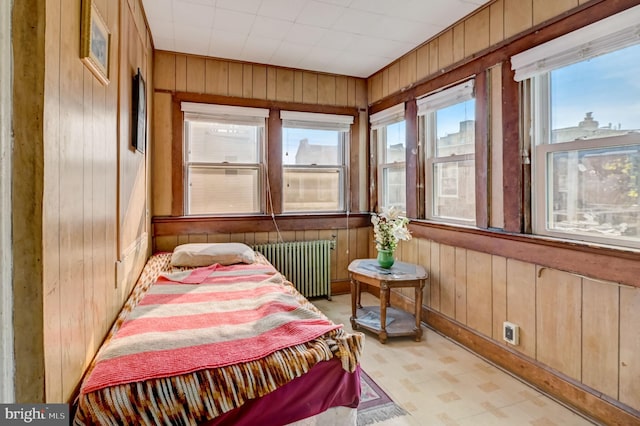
x,y
205,254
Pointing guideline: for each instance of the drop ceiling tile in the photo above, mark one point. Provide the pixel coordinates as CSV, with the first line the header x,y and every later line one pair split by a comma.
x,y
247,6
259,48
338,40
193,14
233,21
289,54
158,10
320,14
225,44
306,34
287,10
357,22
405,30
164,43
276,29
380,7
343,3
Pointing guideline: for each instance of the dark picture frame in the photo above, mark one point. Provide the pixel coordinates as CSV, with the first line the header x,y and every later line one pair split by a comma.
x,y
95,42
139,113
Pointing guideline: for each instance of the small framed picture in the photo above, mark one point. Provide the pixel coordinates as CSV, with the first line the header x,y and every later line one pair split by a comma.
x,y
95,42
139,113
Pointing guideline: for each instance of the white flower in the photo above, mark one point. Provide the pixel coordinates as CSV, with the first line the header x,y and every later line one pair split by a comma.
x,y
389,227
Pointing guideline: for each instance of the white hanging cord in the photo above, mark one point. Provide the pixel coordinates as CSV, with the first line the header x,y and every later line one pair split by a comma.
x,y
270,201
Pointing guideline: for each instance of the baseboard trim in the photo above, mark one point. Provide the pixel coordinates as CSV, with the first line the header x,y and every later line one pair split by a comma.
x,y
582,398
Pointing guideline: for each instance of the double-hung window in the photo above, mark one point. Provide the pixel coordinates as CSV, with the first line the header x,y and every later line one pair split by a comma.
x,y
223,159
388,132
447,127
314,152
585,131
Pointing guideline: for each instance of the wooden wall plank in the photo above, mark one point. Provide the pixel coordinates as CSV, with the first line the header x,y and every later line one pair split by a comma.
x,y
342,87
458,42
236,79
216,77
447,281
445,50
476,32
165,71
247,80
309,88
351,92
424,259
434,66
461,285
271,83
385,82
284,85
521,303
479,315
375,85
408,69
600,336
297,86
161,155
326,89
196,74
394,77
259,82
518,16
422,62
496,22
498,295
434,280
361,93
547,9
558,326
181,73
630,346
342,255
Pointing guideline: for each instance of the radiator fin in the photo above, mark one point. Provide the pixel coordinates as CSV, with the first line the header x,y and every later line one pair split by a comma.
x,y
307,264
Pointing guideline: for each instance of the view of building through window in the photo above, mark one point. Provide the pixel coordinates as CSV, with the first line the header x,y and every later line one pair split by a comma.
x,y
593,185
313,169
392,158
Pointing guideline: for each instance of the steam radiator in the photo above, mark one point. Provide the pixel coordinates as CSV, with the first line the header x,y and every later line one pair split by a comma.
x,y
307,264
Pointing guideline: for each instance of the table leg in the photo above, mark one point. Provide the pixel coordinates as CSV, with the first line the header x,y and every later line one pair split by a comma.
x,y
384,298
418,310
354,301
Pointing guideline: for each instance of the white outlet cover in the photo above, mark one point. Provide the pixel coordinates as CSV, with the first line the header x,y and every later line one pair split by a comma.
x,y
511,333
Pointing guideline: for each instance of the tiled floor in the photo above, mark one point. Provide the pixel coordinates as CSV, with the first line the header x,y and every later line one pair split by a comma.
x,y
440,383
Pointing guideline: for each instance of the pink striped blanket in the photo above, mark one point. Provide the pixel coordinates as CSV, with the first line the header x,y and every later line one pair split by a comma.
x,y
205,318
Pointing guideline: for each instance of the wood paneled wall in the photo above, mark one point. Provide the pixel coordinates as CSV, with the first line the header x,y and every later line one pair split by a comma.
x,y
573,326
585,329
87,192
489,26
189,74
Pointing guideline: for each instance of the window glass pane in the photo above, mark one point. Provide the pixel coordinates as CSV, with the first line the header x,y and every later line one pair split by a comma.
x,y
393,149
311,190
218,190
212,142
454,190
596,98
311,146
394,181
595,191
455,129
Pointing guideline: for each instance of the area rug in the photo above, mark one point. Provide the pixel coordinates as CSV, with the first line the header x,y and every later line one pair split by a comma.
x,y
375,405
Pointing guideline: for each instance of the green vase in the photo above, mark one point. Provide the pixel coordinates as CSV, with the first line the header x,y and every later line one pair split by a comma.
x,y
385,258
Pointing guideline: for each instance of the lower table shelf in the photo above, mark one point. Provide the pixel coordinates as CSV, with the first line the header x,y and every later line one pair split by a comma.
x,y
398,323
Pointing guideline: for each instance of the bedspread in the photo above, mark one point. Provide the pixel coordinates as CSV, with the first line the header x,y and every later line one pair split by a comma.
x,y
176,356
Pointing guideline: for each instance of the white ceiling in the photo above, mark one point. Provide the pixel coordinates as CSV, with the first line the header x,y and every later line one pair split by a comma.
x,y
349,37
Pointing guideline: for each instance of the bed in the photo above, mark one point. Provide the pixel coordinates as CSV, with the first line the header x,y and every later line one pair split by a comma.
x,y
213,334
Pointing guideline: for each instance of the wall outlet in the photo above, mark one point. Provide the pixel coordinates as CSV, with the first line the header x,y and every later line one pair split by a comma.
x,y
511,333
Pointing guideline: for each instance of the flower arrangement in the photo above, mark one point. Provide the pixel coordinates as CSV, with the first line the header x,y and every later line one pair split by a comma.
x,y
388,228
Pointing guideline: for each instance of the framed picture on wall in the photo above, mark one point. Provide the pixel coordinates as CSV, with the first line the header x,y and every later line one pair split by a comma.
x,y
139,113
95,41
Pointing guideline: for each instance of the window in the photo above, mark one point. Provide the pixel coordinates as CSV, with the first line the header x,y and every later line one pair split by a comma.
x,y
388,131
313,160
447,125
223,152
586,132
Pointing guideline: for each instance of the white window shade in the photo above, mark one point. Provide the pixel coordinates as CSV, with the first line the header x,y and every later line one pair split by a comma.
x,y
224,113
451,96
610,34
316,121
386,117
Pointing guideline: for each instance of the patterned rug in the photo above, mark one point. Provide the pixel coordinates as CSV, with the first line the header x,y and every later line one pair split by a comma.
x,y
375,405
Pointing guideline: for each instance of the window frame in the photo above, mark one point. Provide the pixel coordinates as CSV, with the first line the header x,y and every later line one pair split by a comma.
x,y
380,123
342,124
428,106
229,114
